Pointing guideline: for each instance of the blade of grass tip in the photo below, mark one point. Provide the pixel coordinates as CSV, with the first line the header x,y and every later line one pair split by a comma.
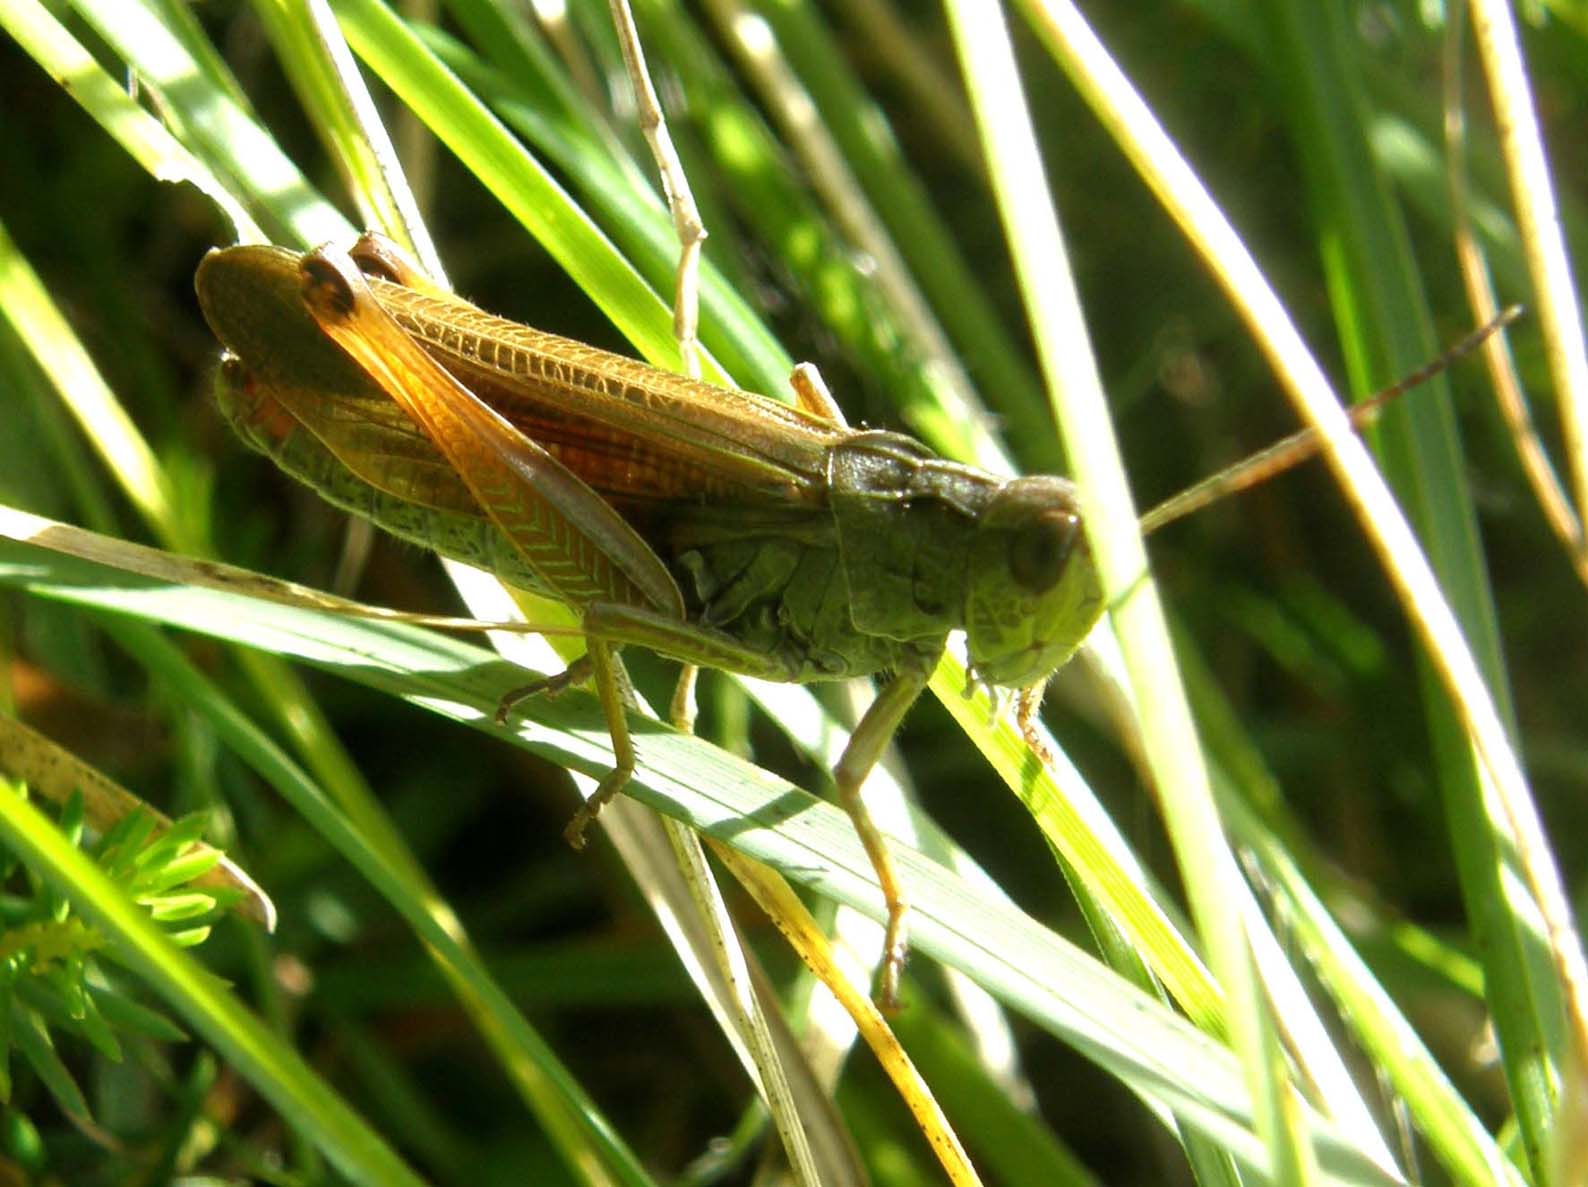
x,y
320,65
1205,862
274,1068
114,110
56,774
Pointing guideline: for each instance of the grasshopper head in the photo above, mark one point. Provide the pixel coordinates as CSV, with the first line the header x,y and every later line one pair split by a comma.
x,y
1032,594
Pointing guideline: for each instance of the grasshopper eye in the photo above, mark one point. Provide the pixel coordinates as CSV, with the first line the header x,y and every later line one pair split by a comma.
x,y
1039,552
1031,592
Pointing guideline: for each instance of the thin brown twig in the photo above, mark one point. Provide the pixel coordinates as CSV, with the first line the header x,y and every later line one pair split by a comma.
x,y
675,187
1300,446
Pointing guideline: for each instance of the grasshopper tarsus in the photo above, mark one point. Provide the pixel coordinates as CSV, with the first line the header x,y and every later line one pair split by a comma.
x,y
547,686
1028,704
606,791
574,832
514,697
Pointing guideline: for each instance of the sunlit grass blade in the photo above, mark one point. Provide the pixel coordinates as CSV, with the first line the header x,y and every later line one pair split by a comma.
x,y
1378,297
1021,962
311,49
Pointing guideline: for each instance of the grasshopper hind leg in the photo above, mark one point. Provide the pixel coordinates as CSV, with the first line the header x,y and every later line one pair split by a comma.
x,y
681,710
608,627
603,668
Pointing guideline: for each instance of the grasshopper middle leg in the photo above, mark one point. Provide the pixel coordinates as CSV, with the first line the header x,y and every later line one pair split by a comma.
x,y
699,646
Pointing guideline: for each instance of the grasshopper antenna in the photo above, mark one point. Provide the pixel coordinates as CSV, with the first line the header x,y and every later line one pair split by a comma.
x,y
1300,446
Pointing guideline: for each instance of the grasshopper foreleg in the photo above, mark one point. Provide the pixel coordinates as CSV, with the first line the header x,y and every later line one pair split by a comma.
x,y
866,744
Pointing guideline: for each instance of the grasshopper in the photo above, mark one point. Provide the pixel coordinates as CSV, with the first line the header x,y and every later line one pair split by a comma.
x,y
718,527
715,526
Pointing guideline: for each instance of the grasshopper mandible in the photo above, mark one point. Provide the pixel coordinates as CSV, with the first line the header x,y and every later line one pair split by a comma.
x,y
718,527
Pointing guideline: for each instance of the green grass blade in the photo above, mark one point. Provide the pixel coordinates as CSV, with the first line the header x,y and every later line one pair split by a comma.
x,y
211,1009
1022,963
1173,753
1378,298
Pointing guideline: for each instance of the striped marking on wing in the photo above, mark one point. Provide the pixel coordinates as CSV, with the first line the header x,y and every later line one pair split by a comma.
x,y
580,546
